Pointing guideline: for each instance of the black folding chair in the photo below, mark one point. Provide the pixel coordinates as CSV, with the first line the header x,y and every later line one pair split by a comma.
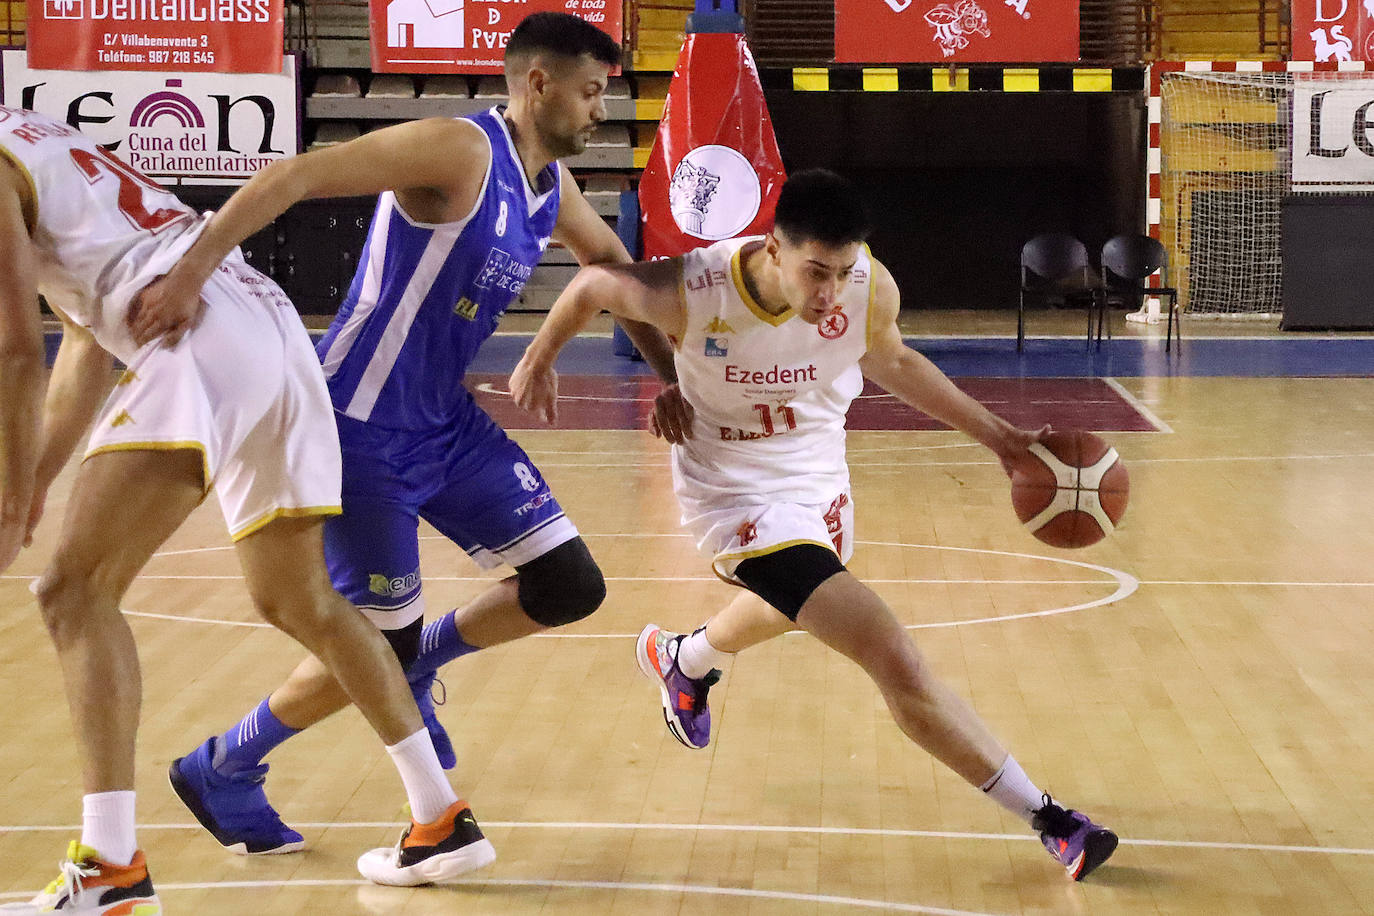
x,y
1054,265
1127,260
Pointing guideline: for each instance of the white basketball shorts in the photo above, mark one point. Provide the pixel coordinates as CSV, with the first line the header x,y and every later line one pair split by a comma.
x,y
730,535
243,387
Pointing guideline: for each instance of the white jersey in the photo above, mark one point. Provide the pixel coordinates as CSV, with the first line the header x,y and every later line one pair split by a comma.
x,y
770,392
103,231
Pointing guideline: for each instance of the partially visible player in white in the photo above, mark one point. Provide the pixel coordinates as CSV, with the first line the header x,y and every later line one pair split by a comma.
x,y
774,338
237,402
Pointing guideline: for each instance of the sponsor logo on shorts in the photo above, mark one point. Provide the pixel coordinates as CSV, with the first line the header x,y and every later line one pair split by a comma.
x,y
121,419
717,346
834,325
388,587
833,521
747,533
127,377
541,500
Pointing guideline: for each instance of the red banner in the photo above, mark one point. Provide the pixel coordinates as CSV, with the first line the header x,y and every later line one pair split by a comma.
x,y
186,36
715,171
1333,30
464,36
948,31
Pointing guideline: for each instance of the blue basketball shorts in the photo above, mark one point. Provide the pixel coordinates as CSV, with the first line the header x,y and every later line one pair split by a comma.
x,y
474,484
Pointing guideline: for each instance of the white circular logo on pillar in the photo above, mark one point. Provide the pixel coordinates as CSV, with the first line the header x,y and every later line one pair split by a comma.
x,y
714,193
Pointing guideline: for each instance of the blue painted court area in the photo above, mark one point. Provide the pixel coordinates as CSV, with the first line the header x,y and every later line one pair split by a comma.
x,y
1288,357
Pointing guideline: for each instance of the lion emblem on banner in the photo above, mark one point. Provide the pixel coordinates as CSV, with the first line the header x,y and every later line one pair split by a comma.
x,y
953,24
1338,47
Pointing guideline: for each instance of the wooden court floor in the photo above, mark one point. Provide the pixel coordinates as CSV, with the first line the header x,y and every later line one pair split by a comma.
x,y
1201,682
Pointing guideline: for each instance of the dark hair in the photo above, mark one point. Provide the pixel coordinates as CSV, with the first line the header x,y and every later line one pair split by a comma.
x,y
817,204
561,34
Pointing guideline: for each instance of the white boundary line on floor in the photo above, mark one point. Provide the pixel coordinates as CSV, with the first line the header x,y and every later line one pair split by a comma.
x,y
898,833
1138,406
706,889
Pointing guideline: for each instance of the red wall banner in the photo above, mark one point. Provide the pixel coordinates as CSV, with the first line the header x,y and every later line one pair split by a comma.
x,y
715,171
185,36
464,36
1333,30
963,31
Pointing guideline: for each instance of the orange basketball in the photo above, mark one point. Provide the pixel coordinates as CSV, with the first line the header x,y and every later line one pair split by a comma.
x,y
1075,494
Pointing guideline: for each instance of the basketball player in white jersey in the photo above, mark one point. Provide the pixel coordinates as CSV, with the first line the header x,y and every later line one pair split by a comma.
x,y
238,404
774,337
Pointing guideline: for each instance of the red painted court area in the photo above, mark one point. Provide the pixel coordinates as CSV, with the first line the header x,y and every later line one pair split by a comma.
x,y
623,402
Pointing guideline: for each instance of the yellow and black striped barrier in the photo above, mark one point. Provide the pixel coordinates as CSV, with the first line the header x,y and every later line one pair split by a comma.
x,y
935,78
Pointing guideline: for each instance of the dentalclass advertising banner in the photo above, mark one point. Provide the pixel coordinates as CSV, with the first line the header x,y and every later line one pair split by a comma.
x,y
1333,30
183,36
465,36
962,31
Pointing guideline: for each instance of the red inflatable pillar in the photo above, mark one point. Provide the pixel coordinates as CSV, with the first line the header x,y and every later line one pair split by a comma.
x,y
714,172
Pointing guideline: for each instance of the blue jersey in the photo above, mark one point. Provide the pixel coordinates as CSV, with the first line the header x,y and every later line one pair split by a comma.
x,y
426,295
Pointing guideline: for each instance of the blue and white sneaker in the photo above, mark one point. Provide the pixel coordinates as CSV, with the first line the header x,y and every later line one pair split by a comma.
x,y
422,686
233,808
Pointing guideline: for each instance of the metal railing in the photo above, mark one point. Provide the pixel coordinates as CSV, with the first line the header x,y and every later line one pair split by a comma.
x,y
1118,31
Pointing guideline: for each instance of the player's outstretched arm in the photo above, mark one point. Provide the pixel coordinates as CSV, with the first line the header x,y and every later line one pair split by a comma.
x,y
646,291
21,367
445,156
919,383
589,238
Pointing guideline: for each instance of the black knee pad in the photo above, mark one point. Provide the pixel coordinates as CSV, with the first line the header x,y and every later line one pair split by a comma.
x,y
561,586
405,642
786,578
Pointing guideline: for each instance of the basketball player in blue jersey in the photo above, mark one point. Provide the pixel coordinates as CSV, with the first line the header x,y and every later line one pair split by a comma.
x,y
467,207
772,361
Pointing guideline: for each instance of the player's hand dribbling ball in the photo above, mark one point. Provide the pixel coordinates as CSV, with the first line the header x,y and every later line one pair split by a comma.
x,y
1075,494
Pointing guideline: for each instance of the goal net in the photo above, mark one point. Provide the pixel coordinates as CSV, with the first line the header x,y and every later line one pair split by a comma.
x,y
1226,145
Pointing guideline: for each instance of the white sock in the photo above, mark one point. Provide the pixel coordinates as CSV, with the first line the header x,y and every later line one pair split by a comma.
x,y
107,826
696,656
1013,790
426,785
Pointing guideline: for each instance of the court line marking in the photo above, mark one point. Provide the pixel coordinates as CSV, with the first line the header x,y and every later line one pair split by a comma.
x,y
979,462
894,832
1138,406
867,580
1144,339
534,449
1126,585
709,890
489,388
